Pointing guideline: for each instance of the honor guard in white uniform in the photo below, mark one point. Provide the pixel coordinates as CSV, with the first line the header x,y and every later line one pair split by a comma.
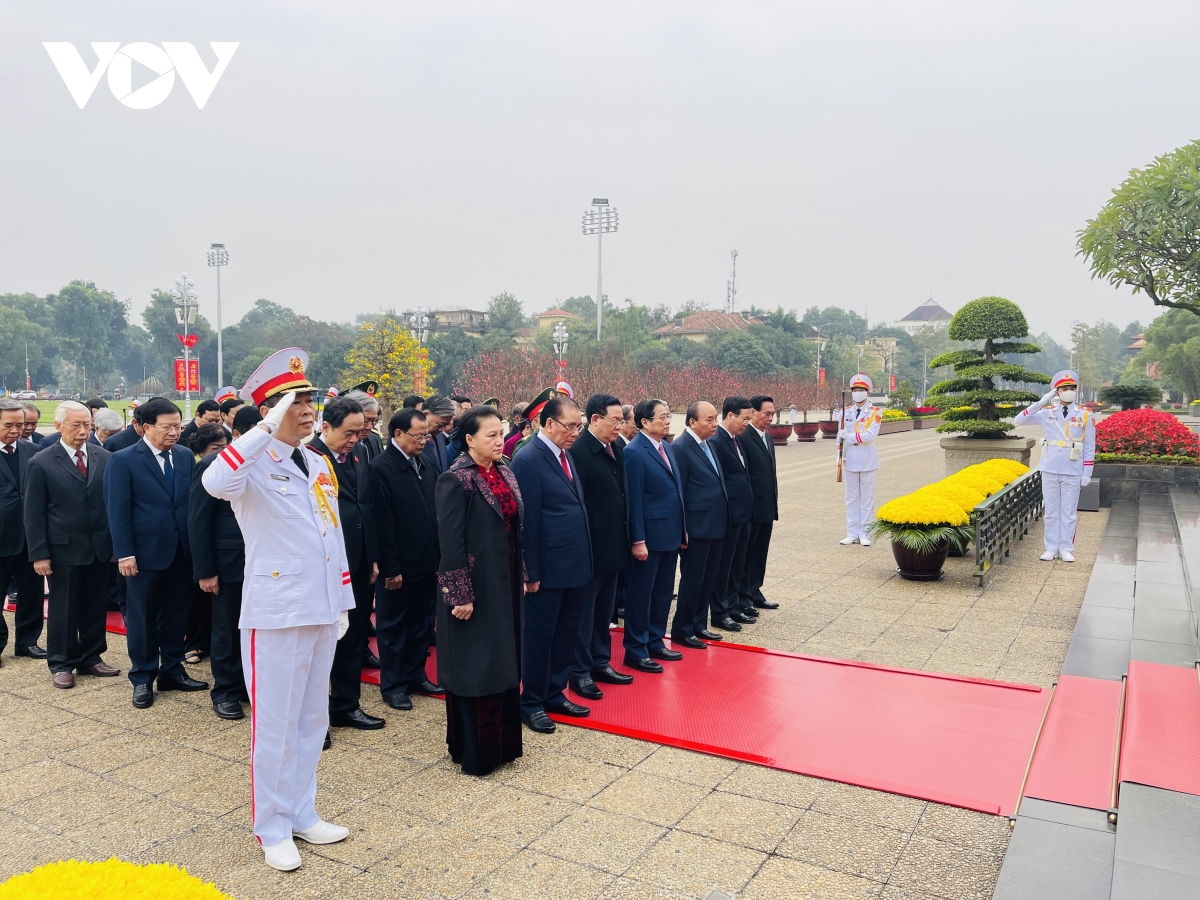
x,y
294,605
860,460
1068,452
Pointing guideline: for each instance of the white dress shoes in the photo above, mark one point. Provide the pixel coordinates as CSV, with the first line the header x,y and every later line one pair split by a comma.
x,y
283,856
1047,556
323,833
1067,556
848,540
865,541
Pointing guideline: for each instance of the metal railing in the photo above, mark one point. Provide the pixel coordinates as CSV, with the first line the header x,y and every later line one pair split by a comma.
x,y
1003,518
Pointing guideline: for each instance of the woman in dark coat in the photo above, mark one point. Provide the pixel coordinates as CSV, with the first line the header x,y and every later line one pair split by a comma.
x,y
480,584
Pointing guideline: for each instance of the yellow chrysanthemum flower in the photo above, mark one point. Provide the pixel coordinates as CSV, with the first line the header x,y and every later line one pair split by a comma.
x,y
922,509
963,495
112,879
980,481
1007,469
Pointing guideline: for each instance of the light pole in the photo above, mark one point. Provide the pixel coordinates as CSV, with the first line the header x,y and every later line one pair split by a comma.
x,y
599,221
218,256
420,324
819,345
186,303
27,366
560,344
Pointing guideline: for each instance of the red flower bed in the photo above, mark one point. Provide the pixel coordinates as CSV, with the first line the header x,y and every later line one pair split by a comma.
x,y
1146,432
924,411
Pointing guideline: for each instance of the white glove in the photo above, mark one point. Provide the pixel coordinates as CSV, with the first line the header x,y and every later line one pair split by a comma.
x,y
1085,480
841,434
343,624
1050,397
274,418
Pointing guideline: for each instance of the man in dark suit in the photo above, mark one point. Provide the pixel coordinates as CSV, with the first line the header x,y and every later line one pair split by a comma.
x,y
69,543
628,430
127,437
341,423
146,490
406,593
557,546
91,406
600,460
706,507
369,444
229,411
15,564
208,412
219,565
759,451
725,600
657,532
32,415
439,413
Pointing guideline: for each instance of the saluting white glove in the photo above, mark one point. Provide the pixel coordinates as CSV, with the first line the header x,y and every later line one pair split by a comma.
x,y
1049,397
1085,481
274,418
343,624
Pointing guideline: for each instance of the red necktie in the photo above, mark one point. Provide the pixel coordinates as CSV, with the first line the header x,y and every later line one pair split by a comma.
x,y
80,464
662,451
562,455
609,448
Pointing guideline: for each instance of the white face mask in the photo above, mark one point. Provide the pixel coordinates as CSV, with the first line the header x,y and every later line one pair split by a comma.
x,y
859,396
1067,396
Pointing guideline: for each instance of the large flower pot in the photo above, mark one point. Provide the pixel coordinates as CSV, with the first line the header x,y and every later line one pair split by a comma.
x,y
806,431
918,566
895,426
829,429
779,434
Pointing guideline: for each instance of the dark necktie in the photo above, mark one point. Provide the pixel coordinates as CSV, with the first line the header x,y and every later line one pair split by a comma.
x,y
298,459
80,464
1065,411
416,464
168,469
348,473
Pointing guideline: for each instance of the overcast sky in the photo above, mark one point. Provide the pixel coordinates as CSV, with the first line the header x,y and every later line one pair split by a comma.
x,y
357,156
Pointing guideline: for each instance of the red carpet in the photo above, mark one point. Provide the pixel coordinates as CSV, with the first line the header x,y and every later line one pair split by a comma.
x,y
1074,758
1161,743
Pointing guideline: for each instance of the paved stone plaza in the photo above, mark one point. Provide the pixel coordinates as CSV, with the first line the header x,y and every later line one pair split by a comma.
x,y
584,814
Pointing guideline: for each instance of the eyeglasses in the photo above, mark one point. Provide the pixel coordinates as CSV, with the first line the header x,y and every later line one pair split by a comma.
x,y
168,428
618,421
417,437
578,426
665,417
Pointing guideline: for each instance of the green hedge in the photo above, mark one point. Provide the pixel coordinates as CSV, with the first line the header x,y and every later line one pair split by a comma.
x,y
1142,460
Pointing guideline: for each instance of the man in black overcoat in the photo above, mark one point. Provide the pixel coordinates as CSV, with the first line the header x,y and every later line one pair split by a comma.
x,y
407,529
760,464
600,459
725,603
15,455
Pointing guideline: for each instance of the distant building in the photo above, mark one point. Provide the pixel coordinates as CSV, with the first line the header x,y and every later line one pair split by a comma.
x,y
699,325
928,313
472,321
552,317
1138,345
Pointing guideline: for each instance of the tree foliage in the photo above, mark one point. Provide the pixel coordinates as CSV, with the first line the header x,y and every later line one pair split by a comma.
x,y
386,352
1130,396
506,312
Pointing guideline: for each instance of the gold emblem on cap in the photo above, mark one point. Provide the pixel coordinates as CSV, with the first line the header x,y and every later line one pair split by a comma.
x,y
295,365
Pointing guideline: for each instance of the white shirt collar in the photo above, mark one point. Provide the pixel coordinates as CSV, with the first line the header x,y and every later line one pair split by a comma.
x,y
656,443
71,453
396,444
554,448
761,434
153,449
688,430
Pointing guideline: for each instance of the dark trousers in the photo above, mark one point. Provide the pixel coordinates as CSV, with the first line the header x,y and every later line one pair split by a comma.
x,y
345,678
229,680
77,616
198,634
116,589
648,589
698,566
619,603
756,560
157,603
403,630
548,649
30,600
594,649
724,599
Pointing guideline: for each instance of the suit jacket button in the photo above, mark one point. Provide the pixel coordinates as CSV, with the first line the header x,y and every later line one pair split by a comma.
x,y
445,590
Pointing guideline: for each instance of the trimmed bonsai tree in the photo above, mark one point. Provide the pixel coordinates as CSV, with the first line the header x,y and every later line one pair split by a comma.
x,y
1131,396
971,401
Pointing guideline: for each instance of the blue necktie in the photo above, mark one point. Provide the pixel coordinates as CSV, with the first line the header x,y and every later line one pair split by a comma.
x,y
708,453
168,470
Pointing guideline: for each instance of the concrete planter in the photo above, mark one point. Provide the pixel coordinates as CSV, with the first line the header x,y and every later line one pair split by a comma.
x,y
1125,482
926,422
962,452
894,427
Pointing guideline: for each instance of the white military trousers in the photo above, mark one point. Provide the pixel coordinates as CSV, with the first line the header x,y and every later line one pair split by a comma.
x,y
287,674
1061,496
860,501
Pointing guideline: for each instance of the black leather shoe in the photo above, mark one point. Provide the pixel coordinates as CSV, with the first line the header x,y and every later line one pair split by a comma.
x,y
143,696
567,708
765,604
709,635
750,611
426,687
398,701
371,629
585,687
609,675
230,709
33,651
370,661
642,665
540,722
742,618
664,653
694,642
181,684
356,718
726,624
328,742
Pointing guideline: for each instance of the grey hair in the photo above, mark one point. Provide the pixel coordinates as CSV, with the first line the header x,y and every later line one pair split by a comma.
x,y
108,420
365,400
7,404
439,405
60,411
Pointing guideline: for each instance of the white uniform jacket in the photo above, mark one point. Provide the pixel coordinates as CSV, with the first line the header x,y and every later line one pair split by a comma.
x,y
296,571
861,425
1068,442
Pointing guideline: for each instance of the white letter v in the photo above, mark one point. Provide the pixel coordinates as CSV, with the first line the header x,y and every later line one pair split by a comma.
x,y
80,82
198,80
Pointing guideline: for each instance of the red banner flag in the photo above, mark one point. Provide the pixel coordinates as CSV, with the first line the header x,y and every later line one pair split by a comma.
x,y
891,383
820,377
189,381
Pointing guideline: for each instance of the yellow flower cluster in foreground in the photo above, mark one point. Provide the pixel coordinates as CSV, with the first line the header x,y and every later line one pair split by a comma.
x,y
950,501
112,879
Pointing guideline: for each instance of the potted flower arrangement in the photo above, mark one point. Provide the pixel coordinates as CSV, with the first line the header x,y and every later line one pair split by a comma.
x,y
1146,436
921,528
895,420
925,417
